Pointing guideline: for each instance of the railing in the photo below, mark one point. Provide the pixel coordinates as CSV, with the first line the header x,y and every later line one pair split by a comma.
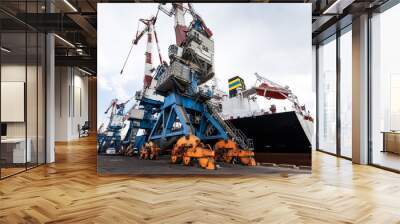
x,y
237,134
246,142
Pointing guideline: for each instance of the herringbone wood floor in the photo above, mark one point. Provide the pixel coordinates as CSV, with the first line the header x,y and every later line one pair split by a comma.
x,y
70,191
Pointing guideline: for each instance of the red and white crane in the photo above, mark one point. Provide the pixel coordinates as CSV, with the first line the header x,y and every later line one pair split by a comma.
x,y
149,29
179,11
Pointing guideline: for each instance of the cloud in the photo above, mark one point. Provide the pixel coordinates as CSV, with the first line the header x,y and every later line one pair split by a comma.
x,y
271,39
103,83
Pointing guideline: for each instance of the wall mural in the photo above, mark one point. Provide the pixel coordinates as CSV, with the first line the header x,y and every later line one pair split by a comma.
x,y
204,88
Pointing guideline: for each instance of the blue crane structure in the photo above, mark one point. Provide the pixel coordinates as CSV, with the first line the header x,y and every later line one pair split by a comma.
x,y
174,101
185,109
110,141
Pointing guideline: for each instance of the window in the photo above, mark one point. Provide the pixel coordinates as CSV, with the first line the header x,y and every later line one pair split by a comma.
x,y
385,89
327,96
15,149
22,77
346,93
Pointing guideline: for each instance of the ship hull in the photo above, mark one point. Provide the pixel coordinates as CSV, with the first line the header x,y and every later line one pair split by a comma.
x,y
282,138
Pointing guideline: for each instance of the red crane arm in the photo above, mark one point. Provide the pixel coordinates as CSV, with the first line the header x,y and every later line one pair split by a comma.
x,y
139,36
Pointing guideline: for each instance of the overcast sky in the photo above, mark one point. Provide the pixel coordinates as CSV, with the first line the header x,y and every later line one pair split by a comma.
x,y
271,39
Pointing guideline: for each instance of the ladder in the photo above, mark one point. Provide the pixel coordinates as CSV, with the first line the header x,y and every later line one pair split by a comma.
x,y
131,135
237,134
186,118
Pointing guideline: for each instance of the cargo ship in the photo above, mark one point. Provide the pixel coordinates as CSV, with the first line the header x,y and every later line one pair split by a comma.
x,y
281,135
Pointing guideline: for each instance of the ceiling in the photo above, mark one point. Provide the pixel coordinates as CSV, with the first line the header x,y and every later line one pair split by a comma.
x,y
75,21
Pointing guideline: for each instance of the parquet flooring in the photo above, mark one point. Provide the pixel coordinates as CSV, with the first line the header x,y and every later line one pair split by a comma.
x,y
70,191
11,170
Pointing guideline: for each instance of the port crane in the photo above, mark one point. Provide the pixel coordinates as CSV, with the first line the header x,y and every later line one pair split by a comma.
x,y
185,118
142,116
110,141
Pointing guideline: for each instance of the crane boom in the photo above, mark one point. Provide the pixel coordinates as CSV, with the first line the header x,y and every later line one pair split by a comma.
x,y
134,42
149,29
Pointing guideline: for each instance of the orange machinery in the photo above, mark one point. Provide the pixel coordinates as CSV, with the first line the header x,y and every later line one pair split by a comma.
x,y
189,148
149,151
227,151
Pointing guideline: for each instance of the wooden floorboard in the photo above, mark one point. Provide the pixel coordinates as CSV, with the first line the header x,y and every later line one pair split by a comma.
x,y
70,191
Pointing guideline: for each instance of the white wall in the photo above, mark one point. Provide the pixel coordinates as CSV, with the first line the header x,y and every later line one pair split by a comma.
x,y
61,103
16,73
12,73
71,102
80,110
33,126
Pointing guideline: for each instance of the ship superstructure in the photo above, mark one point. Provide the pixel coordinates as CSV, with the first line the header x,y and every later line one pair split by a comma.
x,y
286,129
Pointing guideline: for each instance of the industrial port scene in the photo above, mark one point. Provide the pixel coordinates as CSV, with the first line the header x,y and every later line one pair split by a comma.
x,y
182,119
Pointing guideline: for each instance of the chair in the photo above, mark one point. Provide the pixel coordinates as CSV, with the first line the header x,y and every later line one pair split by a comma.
x,y
84,130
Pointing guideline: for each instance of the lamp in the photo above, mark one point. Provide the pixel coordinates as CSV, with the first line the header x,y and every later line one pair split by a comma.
x,y
5,50
70,5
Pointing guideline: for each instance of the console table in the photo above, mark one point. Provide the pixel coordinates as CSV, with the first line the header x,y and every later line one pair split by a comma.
x,y
13,150
391,141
